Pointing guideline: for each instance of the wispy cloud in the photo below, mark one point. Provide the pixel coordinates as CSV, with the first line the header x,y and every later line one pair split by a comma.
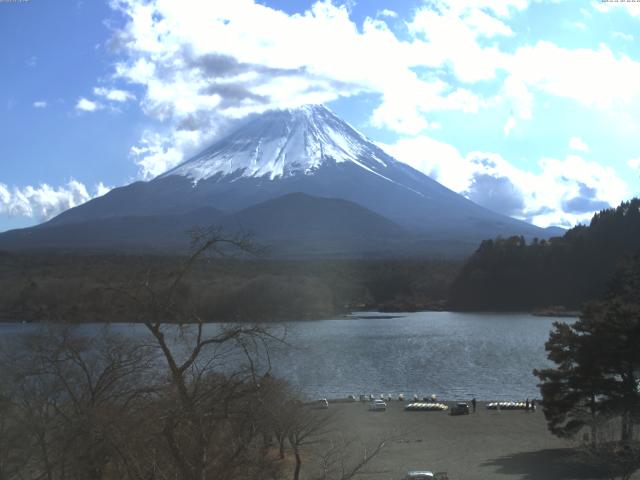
x,y
634,163
627,37
388,13
40,104
579,25
509,125
113,94
576,143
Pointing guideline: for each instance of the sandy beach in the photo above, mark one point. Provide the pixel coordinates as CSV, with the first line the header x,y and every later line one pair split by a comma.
x,y
486,445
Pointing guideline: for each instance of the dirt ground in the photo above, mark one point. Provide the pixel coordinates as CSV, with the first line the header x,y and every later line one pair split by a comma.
x,y
486,445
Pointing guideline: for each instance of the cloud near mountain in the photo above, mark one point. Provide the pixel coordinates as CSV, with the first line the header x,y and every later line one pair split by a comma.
x,y
200,70
44,202
563,191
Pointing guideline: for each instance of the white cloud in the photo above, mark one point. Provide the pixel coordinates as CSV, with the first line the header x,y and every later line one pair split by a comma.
x,y
520,98
502,9
586,13
102,189
627,37
201,64
404,109
441,161
577,187
40,104
85,105
113,94
5,195
204,49
634,163
157,153
509,125
388,13
576,143
44,202
237,58
564,192
631,7
196,60
594,78
452,34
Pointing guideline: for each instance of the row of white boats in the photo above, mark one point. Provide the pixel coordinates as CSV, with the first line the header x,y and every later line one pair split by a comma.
x,y
430,403
511,406
389,398
426,407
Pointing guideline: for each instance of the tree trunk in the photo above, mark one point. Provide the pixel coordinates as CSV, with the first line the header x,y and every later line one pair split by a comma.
x,y
296,472
203,473
594,424
45,456
626,428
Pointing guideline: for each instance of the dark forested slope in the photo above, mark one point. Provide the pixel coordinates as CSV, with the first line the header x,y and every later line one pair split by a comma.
x,y
86,288
509,274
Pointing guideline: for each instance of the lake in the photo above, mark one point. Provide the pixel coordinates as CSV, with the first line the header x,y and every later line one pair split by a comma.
x,y
451,355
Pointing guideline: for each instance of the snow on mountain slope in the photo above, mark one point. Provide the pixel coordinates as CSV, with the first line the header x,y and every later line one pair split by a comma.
x,y
282,143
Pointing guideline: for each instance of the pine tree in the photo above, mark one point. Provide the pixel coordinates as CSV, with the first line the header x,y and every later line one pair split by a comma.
x,y
597,373
570,390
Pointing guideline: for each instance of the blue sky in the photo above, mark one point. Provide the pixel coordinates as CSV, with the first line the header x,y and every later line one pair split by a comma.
x,y
528,107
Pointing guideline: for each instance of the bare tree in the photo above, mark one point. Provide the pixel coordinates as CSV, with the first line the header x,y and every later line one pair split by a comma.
x,y
344,458
186,400
70,394
317,433
307,427
279,404
12,450
209,411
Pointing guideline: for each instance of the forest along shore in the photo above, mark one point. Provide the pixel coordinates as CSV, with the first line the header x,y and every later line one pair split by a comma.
x,y
84,288
485,445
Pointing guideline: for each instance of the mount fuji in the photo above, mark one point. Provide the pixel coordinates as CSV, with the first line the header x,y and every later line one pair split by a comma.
x,y
302,181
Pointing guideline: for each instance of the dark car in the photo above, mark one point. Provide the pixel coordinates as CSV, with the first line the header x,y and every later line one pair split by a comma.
x,y
460,408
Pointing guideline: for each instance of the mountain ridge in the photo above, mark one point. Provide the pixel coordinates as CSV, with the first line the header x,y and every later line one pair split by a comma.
x,y
325,224
312,151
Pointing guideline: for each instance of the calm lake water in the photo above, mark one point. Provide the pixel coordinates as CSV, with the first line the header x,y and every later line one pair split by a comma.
x,y
452,355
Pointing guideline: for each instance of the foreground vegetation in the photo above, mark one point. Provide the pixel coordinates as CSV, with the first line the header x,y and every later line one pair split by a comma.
x,y
197,408
177,403
187,403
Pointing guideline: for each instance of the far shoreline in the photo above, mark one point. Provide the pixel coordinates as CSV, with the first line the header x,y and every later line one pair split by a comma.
x,y
353,315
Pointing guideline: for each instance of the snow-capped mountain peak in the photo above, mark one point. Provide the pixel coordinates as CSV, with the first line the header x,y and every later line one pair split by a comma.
x,y
282,143
276,162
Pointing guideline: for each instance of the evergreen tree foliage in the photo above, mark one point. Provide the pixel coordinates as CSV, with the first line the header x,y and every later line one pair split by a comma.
x,y
597,373
509,274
